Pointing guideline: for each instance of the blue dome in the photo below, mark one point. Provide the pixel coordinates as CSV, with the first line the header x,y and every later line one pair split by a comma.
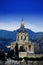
x,y
22,30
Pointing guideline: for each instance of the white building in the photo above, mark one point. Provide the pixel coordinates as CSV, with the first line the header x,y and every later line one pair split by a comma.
x,y
25,46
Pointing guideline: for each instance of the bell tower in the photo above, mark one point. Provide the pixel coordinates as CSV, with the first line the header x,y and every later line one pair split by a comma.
x,y
22,34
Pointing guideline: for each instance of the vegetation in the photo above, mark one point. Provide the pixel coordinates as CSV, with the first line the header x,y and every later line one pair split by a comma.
x,y
16,51
10,53
33,59
2,56
17,59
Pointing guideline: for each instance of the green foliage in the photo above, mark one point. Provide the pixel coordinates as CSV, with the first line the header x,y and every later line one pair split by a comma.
x,y
10,53
16,51
2,56
33,59
17,59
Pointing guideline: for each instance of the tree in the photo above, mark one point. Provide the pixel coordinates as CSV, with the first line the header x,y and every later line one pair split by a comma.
x,y
10,53
16,51
2,56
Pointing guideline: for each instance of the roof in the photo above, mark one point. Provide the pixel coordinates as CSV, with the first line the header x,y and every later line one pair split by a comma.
x,y
22,30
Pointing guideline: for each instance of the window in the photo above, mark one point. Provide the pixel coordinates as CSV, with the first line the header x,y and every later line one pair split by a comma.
x,y
22,49
25,38
29,47
21,37
18,38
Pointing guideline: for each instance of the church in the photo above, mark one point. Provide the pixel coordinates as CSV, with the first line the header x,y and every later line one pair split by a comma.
x,y
22,39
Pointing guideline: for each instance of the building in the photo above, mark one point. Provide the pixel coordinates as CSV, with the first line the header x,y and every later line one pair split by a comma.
x,y
24,45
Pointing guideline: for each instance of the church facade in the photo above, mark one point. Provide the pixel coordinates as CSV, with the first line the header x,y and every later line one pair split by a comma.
x,y
24,45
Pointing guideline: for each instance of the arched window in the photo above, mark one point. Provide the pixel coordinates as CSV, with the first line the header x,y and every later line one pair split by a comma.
x,y
22,49
29,47
21,37
25,38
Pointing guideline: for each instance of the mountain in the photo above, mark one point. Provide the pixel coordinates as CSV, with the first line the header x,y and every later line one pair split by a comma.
x,y
6,37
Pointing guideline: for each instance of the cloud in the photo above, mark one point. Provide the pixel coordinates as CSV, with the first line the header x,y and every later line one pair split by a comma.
x,y
13,25
9,25
33,27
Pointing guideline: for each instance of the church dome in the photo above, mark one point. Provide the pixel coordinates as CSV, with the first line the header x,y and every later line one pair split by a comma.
x,y
22,30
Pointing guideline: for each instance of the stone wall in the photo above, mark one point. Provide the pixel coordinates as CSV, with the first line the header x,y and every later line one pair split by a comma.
x,y
32,63
25,54
26,63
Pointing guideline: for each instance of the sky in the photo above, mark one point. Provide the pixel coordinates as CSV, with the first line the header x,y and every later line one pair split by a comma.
x,y
12,12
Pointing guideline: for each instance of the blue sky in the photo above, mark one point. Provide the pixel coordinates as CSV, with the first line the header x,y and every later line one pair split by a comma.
x,y
12,12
